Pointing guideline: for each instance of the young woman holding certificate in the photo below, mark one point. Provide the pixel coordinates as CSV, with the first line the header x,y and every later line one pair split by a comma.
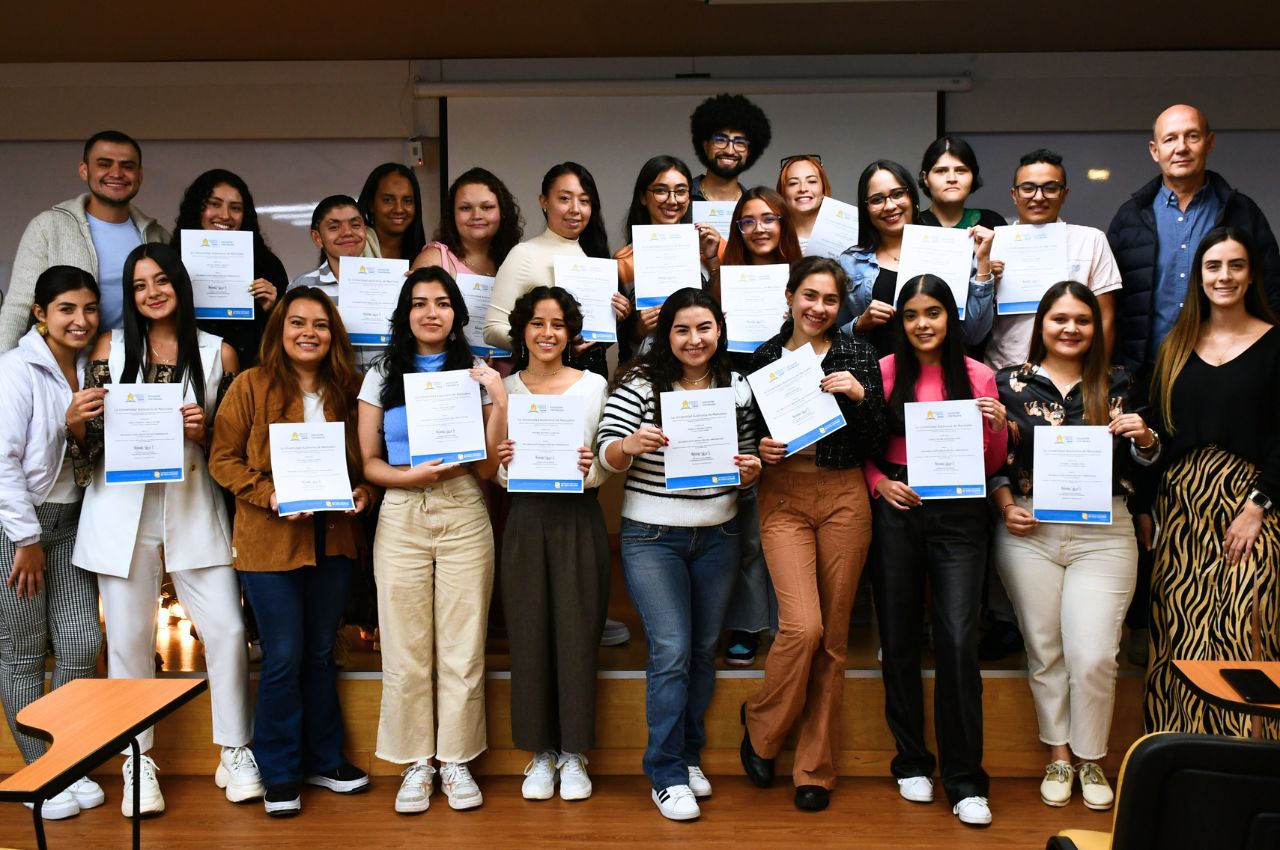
x,y
432,553
1070,583
941,543
555,562
761,234
803,183
46,603
679,547
484,227
815,524
295,569
949,174
1215,590
132,534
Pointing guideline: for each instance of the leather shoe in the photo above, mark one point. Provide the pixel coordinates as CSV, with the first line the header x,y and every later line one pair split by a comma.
x,y
759,770
812,798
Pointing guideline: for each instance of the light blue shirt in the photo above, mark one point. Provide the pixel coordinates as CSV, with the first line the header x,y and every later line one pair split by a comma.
x,y
112,243
1178,233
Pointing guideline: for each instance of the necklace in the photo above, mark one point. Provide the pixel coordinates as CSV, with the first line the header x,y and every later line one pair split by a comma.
x,y
155,355
696,381
544,374
1229,351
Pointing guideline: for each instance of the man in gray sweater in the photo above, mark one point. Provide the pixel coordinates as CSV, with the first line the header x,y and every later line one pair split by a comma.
x,y
94,232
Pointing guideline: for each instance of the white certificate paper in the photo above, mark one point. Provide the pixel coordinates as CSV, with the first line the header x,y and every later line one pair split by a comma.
x,y
791,399
477,292
309,467
755,303
443,415
943,251
220,263
718,214
548,431
592,281
835,230
1071,481
666,259
1035,258
944,449
702,428
143,431
368,289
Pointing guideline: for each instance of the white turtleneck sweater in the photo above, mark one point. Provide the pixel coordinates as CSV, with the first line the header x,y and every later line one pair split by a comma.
x,y
528,265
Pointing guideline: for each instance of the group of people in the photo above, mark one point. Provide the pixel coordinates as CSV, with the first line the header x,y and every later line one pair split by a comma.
x,y
1162,330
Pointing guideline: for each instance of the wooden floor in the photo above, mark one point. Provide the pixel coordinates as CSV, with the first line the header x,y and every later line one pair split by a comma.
x,y
864,813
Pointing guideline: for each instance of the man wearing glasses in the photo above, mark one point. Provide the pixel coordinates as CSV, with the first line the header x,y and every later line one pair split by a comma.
x,y
729,135
1039,191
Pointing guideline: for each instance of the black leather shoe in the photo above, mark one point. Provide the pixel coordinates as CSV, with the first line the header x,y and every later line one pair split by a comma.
x,y
812,798
759,770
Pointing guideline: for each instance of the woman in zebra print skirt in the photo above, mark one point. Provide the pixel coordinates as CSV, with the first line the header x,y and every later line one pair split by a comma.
x,y
1215,592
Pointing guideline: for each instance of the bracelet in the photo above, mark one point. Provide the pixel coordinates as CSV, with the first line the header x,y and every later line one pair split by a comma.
x,y
622,446
1155,441
1006,508
984,278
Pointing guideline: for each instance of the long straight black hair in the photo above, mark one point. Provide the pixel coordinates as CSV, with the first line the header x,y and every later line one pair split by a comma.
x,y
955,372
137,327
415,236
397,361
593,240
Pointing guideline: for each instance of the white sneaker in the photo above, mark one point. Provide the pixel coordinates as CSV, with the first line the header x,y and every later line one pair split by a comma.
x,y
152,801
676,802
574,782
698,783
1055,790
238,773
88,794
1094,788
415,788
459,787
973,810
917,789
615,633
540,777
59,806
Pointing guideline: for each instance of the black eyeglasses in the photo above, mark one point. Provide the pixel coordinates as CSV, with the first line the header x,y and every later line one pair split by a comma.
x,y
877,201
720,140
1050,190
769,220
787,160
661,193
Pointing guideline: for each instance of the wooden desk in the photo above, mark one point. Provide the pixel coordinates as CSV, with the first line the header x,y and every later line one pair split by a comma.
x,y
1204,678
88,721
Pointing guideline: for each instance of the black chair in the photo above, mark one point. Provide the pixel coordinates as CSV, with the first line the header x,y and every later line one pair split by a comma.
x,y
1191,791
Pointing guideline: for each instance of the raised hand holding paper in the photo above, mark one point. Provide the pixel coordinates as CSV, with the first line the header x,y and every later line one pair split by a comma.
x,y
443,415
144,443
368,289
755,303
666,259
718,214
547,431
1035,258
702,427
220,263
592,281
477,292
943,251
944,449
789,392
1071,481
835,230
309,467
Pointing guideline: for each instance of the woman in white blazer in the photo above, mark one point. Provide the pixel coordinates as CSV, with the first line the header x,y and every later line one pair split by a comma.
x,y
130,534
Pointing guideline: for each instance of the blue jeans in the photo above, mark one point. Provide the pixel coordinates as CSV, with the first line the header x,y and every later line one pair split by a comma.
x,y
297,724
680,580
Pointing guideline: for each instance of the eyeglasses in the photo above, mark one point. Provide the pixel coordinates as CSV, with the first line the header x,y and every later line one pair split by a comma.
x,y
661,193
720,140
747,225
875,202
787,160
1050,190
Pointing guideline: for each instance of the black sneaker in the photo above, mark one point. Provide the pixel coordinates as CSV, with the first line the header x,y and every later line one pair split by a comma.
x,y
1001,640
284,800
742,649
344,779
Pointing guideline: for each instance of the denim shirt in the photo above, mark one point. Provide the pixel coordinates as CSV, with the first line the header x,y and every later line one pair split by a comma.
x,y
863,268
1178,233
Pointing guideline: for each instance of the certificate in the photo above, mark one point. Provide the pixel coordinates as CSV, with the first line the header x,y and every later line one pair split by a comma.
x,y
144,440
477,292
755,303
702,429
944,449
220,263
666,259
548,431
718,214
943,251
592,281
789,392
309,467
443,416
1071,481
368,289
835,230
1035,258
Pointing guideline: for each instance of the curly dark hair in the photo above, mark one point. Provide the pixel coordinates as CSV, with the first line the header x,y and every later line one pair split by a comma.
x,y
510,222
397,361
191,207
522,313
730,111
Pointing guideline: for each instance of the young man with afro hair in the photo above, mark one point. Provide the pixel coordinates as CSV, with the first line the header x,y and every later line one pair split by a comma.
x,y
729,135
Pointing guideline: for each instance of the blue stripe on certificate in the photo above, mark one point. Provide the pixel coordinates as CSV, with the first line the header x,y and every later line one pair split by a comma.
x,y
1016,308
448,457
1090,517
224,312
745,346
691,482
952,491
134,476
299,505
650,301
488,351
370,339
599,336
815,435
543,485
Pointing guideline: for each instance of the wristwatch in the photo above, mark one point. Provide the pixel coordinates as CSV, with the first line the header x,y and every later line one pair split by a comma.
x,y
1260,499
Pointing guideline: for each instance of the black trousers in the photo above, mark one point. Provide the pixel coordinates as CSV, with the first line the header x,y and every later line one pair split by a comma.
x,y
944,543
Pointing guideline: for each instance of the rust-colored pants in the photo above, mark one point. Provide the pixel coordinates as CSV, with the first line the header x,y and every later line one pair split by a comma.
x,y
815,524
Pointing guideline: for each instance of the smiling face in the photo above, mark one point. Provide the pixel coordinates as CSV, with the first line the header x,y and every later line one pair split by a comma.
x,y
1181,143
71,319
802,187
1041,178
674,200
1068,328
924,321
153,290
694,338
888,214
307,335
568,207
341,233
430,316
760,235
113,172
1225,275
393,206
950,181
546,334
476,213
814,304
726,150
223,209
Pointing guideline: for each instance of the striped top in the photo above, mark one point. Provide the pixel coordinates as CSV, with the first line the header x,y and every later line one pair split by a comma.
x,y
645,498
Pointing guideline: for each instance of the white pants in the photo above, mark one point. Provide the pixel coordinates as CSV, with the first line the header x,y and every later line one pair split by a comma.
x,y
211,598
1071,586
